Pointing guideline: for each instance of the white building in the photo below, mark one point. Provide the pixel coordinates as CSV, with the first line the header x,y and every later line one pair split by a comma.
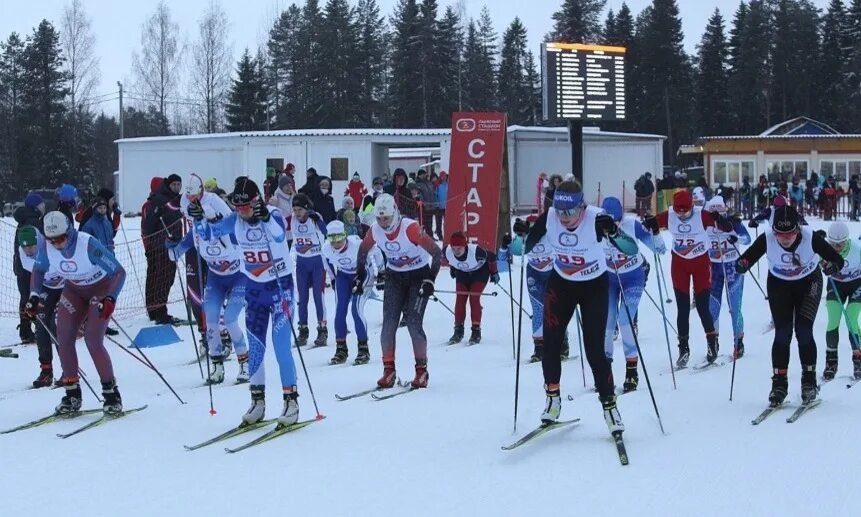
x,y
609,160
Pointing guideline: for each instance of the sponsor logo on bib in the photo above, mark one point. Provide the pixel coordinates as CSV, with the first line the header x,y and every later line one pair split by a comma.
x,y
684,228
254,234
568,239
392,246
68,266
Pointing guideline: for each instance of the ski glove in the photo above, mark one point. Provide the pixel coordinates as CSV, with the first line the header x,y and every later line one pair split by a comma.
x,y
506,240
605,225
650,223
31,308
170,246
752,224
359,284
741,266
732,239
195,211
830,268
260,211
106,307
494,278
426,290
381,281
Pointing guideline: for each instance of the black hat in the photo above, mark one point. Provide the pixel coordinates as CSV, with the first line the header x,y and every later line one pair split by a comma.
x,y
245,191
785,219
105,193
302,201
172,178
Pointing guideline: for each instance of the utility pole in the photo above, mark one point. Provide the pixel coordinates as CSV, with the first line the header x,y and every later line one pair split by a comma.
x,y
122,129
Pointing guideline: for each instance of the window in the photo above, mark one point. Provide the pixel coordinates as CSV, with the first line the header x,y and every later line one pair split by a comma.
x,y
732,171
720,172
826,168
340,168
842,170
275,163
786,170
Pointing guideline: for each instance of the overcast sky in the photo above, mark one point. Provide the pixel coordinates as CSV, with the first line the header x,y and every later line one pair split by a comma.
x,y
117,24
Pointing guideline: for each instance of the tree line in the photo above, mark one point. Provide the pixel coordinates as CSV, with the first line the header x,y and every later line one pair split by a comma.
x,y
341,64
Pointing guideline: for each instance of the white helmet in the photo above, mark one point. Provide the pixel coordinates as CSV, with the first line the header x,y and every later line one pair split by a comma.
x,y
837,232
55,224
716,204
335,228
385,206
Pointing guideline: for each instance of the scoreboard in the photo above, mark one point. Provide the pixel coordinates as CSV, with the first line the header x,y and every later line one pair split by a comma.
x,y
582,82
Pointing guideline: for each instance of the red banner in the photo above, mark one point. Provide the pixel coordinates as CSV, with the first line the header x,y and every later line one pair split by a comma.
x,y
475,176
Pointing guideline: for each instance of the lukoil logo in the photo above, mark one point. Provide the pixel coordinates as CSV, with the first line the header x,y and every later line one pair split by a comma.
x,y
466,125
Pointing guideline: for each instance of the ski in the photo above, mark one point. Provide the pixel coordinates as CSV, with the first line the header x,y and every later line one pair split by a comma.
x,y
8,353
236,431
770,410
851,383
50,419
357,394
804,408
101,420
538,431
404,390
620,447
275,433
720,360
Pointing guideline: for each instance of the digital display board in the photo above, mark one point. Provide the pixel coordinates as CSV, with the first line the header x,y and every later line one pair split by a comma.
x,y
583,82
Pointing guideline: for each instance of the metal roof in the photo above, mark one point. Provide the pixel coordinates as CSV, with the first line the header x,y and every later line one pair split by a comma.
x,y
796,122
779,137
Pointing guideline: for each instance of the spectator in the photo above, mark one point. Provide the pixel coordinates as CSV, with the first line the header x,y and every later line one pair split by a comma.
x,y
403,198
270,184
162,221
114,212
829,198
290,170
311,180
351,226
644,189
541,190
211,185
707,190
356,190
28,215
796,195
377,188
429,204
67,201
322,200
346,204
98,225
746,195
283,200
441,199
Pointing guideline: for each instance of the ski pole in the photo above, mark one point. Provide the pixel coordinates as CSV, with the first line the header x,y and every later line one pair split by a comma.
x,y
663,278
466,293
151,365
434,298
664,314
580,340
517,354
636,340
285,307
511,288
203,338
752,276
513,300
57,347
729,305
126,350
757,262
187,312
131,260
649,296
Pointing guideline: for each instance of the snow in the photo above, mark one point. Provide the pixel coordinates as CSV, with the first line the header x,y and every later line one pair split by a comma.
x,y
437,451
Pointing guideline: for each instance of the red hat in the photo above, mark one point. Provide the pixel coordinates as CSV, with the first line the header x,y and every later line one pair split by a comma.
x,y
682,201
457,239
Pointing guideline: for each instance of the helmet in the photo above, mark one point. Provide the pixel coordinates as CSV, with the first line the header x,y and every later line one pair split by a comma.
x,y
335,228
56,224
385,206
613,207
716,204
837,232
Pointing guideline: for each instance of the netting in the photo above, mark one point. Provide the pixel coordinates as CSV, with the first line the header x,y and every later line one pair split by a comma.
x,y
132,301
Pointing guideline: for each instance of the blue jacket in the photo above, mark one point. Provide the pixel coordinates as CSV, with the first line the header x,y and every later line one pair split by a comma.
x,y
100,227
442,194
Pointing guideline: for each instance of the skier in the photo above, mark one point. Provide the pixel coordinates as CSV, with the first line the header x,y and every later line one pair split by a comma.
x,y
93,281
630,272
225,284
28,215
847,283
723,254
471,266
29,240
262,240
794,289
341,253
309,230
413,261
575,231
540,265
688,225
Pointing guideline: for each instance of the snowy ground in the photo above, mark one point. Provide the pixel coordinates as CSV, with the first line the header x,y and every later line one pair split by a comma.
x,y
437,451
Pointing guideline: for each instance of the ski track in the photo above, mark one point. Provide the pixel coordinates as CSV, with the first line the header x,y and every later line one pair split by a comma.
x,y
437,451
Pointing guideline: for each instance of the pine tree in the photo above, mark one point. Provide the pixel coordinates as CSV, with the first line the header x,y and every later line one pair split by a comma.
x,y
619,31
371,52
450,53
309,87
406,74
514,90
105,154
577,21
339,41
712,91
11,110
147,122
608,34
533,82
852,67
750,81
429,87
488,40
831,86
282,43
246,105
795,59
478,91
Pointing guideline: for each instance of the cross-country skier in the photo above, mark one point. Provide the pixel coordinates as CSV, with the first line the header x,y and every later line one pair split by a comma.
x,y
266,260
794,290
631,273
224,293
413,261
688,225
93,281
848,291
341,253
723,253
309,230
471,266
29,240
575,231
539,266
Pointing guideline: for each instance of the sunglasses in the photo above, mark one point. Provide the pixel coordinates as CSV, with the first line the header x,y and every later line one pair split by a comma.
x,y
569,212
243,207
337,237
58,240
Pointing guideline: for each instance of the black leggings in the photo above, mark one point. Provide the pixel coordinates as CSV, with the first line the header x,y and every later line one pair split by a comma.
x,y
48,314
794,304
560,299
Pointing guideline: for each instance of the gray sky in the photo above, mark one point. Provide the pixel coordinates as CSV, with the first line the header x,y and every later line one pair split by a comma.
x,y
117,24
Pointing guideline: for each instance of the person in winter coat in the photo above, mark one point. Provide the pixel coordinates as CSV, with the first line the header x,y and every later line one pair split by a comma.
x,y
98,225
322,200
644,188
441,199
270,184
429,204
114,213
377,188
311,180
163,220
356,190
67,201
29,215
283,201
400,191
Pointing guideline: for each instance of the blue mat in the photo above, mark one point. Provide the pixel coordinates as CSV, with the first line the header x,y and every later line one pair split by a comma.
x,y
158,335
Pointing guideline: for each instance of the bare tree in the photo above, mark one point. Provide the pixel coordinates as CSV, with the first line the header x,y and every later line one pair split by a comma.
x,y
157,67
211,68
79,44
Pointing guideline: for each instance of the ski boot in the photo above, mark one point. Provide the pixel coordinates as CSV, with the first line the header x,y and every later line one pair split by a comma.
x,y
389,375
566,348
538,352
553,405
71,401
739,348
258,406
45,378
457,337
243,376
779,388
216,376
290,413
830,365
475,335
809,388
856,364
611,414
226,343
363,356
304,333
421,378
712,347
203,348
111,331
113,404
632,377
684,353
341,353
322,336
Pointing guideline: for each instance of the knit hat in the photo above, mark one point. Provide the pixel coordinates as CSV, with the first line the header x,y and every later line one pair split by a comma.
x,y
105,193
100,201
155,183
210,184
67,193
245,191
378,181
302,201
27,236
683,201
33,200
613,207
356,176
457,239
172,178
335,229
270,171
785,219
284,179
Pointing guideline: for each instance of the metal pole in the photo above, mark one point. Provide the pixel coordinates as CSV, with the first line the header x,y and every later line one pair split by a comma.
x,y
575,137
122,125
